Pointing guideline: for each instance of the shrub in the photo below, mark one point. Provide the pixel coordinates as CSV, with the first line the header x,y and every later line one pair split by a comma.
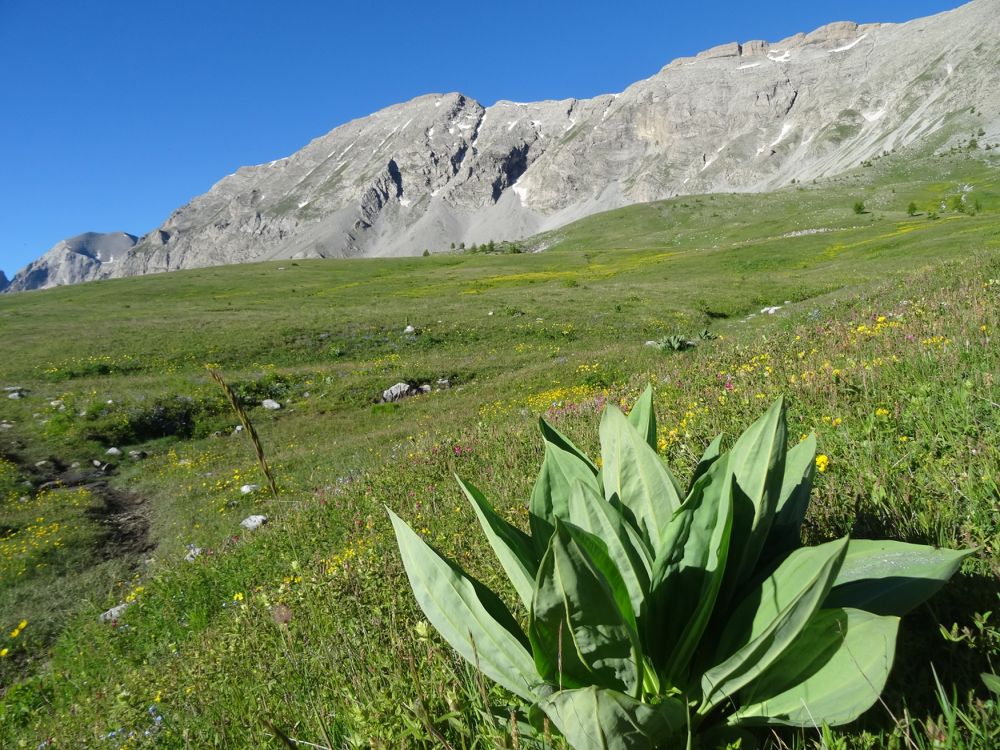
x,y
658,617
859,207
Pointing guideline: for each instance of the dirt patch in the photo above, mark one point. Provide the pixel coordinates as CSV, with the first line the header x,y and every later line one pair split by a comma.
x,y
123,516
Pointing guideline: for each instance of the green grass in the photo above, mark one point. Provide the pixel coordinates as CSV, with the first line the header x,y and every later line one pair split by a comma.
x,y
886,347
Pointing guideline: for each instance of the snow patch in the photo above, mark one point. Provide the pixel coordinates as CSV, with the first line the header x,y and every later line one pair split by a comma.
x,y
779,56
405,202
873,116
849,45
511,124
521,192
786,128
303,204
430,132
746,66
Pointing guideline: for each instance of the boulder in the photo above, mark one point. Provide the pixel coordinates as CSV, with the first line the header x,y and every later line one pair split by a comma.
x,y
270,403
252,523
114,613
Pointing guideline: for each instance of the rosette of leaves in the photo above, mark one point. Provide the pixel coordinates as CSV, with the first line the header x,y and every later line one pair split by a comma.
x,y
658,616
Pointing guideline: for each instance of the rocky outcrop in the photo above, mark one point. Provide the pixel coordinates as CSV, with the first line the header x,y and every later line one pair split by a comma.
x,y
442,168
4,281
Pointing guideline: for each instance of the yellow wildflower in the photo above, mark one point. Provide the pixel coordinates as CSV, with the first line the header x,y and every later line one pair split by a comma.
x,y
822,461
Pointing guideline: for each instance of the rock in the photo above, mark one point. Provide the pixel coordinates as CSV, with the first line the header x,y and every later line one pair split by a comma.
x,y
246,489
15,395
653,343
137,455
409,329
238,429
13,388
114,613
771,310
403,390
43,463
113,451
192,554
270,403
444,384
252,523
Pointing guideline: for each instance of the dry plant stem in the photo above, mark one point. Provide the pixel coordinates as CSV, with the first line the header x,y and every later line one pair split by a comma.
x,y
248,426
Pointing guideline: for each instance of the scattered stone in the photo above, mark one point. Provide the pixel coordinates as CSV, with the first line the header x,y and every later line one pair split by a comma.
x,y
5,425
270,403
246,489
403,390
770,310
112,451
653,343
409,329
115,612
444,384
75,465
41,463
15,395
252,523
137,455
12,388
489,314
192,554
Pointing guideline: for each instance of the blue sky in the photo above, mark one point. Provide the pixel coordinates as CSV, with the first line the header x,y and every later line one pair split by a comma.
x,y
113,114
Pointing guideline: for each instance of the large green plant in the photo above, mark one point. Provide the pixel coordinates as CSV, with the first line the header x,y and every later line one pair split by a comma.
x,y
658,617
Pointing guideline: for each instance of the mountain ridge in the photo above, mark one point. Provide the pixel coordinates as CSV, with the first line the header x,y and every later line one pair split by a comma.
x,y
442,168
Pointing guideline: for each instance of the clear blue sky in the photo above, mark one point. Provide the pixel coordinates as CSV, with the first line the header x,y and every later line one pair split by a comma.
x,y
113,113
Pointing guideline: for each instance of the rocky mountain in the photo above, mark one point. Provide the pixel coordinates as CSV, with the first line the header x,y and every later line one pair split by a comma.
x,y
88,256
4,281
442,168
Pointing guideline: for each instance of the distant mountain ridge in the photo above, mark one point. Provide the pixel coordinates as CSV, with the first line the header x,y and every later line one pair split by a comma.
x,y
442,168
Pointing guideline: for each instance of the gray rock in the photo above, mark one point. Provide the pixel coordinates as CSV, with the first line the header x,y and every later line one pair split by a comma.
x,y
193,553
270,403
409,329
15,395
252,523
113,451
246,489
137,455
443,168
403,390
114,613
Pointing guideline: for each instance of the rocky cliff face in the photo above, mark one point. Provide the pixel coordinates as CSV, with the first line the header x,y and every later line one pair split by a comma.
x,y
82,258
443,168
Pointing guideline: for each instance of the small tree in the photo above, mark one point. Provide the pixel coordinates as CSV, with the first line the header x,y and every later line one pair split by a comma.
x,y
911,210
426,252
859,207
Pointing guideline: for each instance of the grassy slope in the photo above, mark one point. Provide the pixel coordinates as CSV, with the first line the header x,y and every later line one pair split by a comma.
x,y
517,336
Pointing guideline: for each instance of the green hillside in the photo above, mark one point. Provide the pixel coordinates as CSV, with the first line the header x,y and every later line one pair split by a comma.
x,y
884,343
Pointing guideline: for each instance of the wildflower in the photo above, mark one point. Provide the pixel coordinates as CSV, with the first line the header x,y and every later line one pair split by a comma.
x,y
238,596
4,652
822,461
881,412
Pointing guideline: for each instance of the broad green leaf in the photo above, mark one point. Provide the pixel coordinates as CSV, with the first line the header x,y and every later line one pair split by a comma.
x,y
469,616
643,418
793,501
514,549
769,619
757,461
991,681
561,469
591,512
552,435
596,719
596,549
637,475
689,571
578,634
709,457
891,578
833,672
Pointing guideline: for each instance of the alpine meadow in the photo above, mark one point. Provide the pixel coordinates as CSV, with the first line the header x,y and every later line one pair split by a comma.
x,y
719,471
